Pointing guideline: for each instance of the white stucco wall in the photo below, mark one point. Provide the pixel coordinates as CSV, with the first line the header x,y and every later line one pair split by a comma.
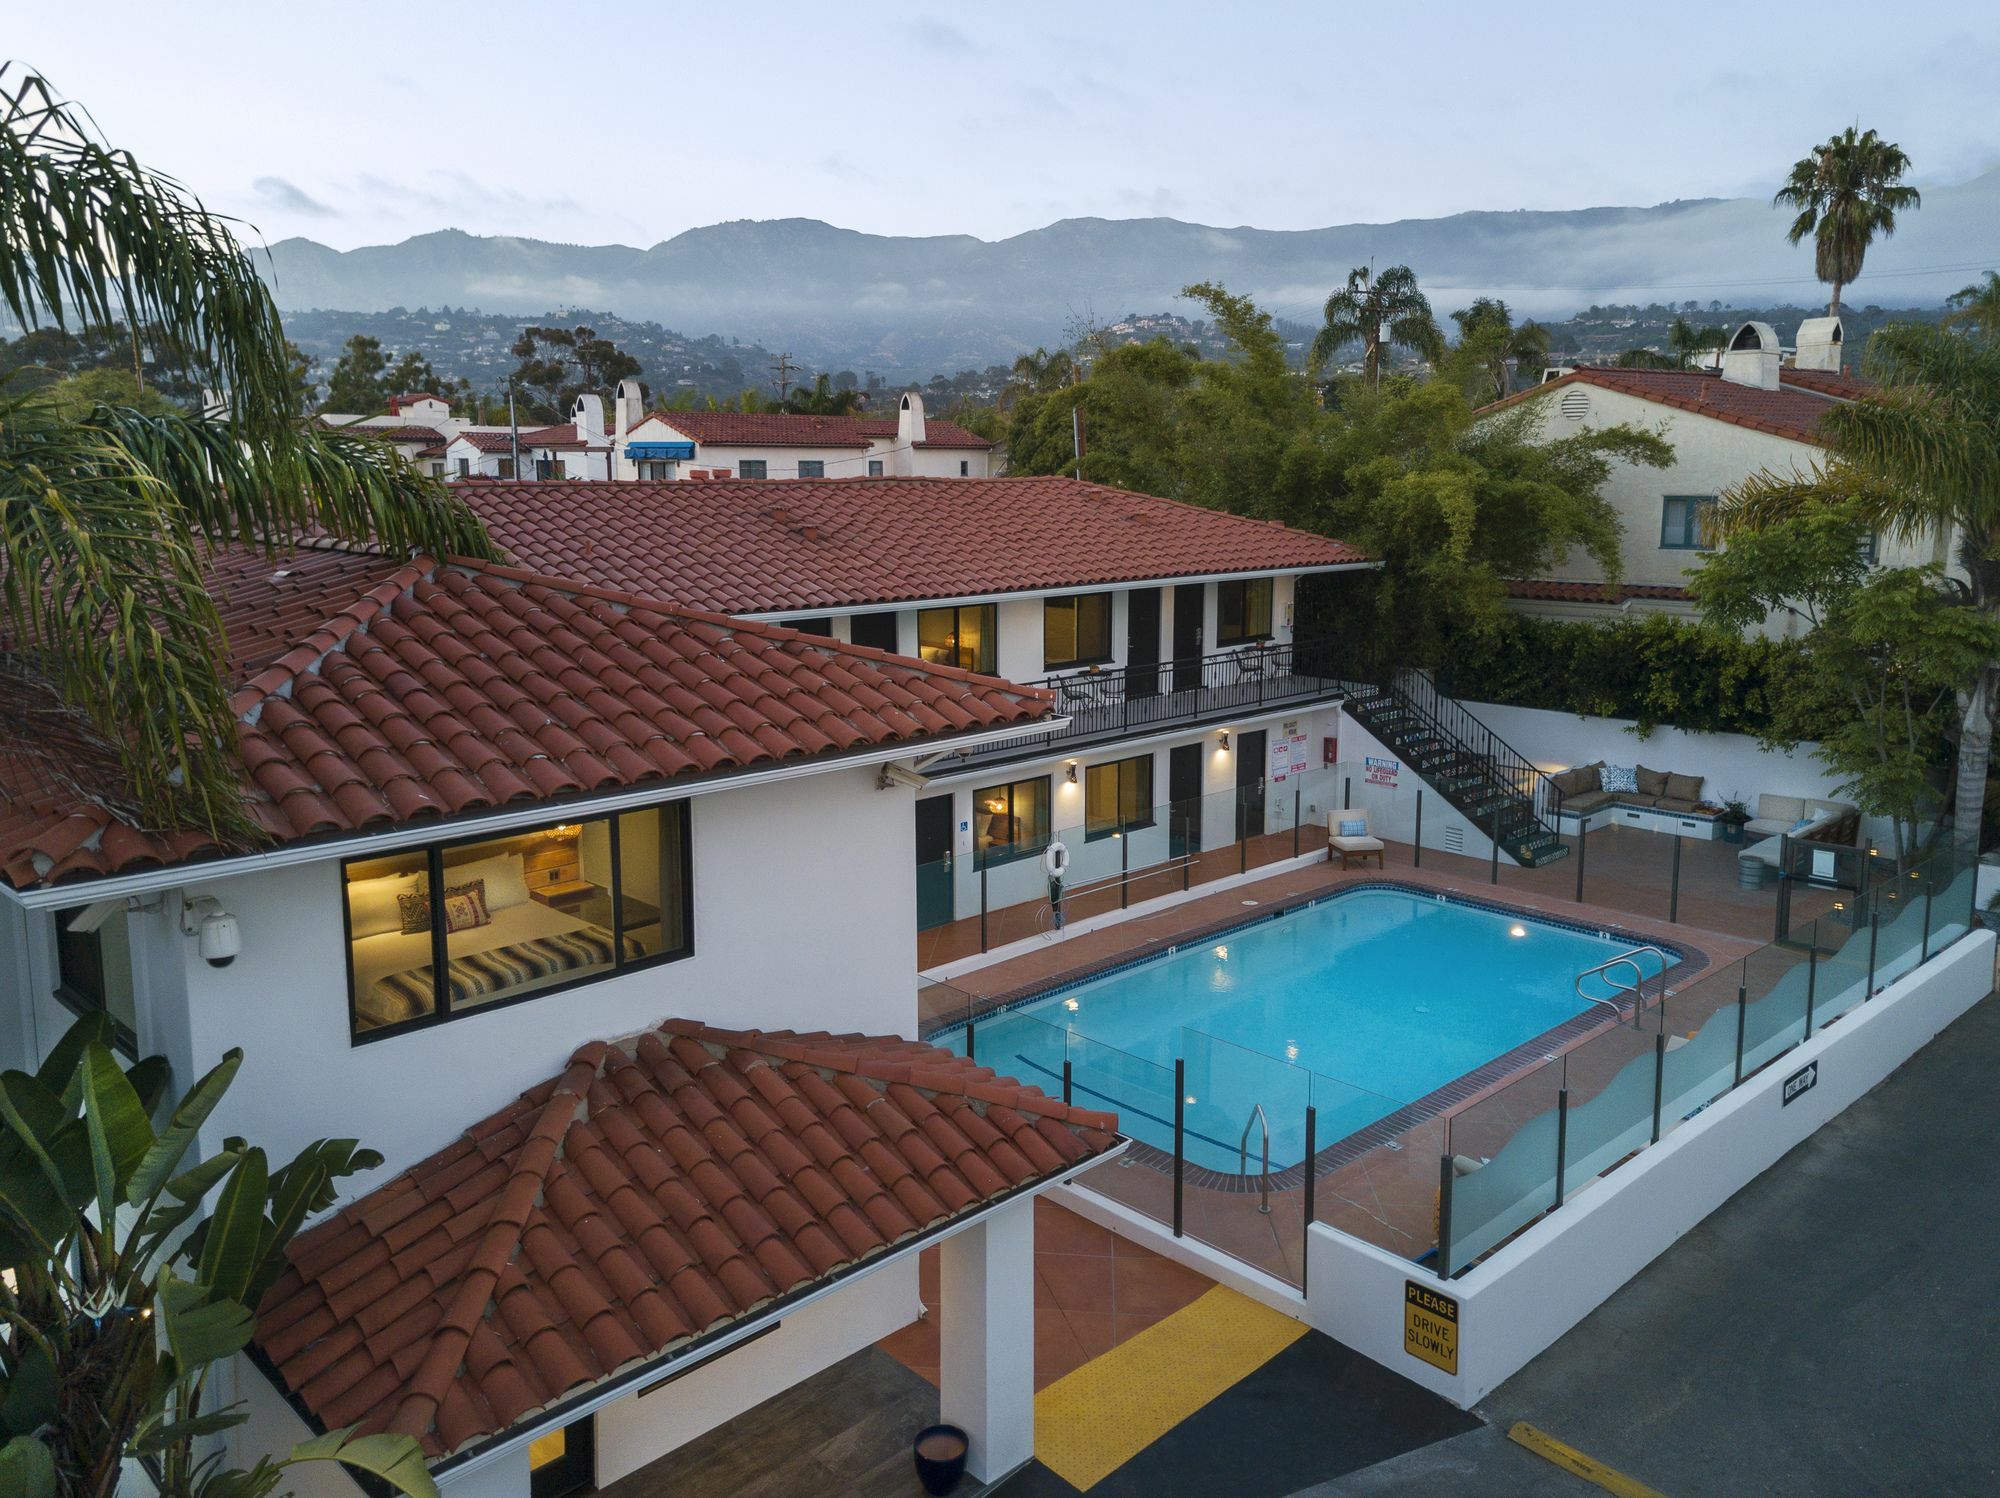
x,y
804,917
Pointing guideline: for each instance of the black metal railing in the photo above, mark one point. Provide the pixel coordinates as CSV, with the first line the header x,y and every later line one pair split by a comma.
x,y
1110,702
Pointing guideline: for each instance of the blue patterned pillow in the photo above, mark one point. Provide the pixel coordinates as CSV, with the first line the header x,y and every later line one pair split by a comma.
x,y
1353,827
1619,778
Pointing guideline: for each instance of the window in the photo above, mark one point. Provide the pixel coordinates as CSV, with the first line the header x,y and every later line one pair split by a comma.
x,y
527,914
812,468
1010,821
563,1462
1076,631
1682,518
965,468
465,468
960,637
874,468
875,630
545,468
752,468
437,470
1117,797
94,975
659,472
1243,611
1870,547
822,626
507,468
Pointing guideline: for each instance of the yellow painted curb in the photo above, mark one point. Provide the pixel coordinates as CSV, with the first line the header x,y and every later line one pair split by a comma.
x,y
1570,1459
1092,1421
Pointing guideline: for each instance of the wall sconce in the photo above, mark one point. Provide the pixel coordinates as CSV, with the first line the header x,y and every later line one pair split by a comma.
x,y
1224,746
1072,772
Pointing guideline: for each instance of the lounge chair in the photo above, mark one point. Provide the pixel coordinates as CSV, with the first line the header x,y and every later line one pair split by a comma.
x,y
1348,844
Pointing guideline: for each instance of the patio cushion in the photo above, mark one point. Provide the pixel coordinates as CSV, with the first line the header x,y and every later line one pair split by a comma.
x,y
1586,803
1684,787
1675,803
1766,826
1650,782
1582,780
1786,809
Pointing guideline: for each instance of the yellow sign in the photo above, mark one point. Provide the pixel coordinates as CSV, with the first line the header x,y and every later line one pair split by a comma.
x,y
1430,1326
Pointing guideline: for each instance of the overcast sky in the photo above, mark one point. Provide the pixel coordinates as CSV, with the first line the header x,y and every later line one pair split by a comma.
x,y
361,124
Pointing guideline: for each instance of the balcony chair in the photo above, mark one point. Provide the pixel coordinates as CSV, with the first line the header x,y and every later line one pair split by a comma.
x,y
1347,845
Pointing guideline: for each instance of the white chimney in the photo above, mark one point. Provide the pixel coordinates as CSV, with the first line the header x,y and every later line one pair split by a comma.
x,y
628,407
1821,344
588,415
1752,357
910,420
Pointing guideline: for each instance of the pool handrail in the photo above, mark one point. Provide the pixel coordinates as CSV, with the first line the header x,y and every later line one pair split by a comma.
x,y
1257,1116
1627,958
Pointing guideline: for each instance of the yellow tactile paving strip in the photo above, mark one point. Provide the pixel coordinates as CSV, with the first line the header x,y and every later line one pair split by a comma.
x,y
1091,1422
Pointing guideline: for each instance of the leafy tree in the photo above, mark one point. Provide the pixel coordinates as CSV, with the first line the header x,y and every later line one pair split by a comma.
x,y
559,364
822,399
1913,458
413,375
299,367
1377,312
1846,191
1490,347
108,516
1976,308
356,383
117,1313
1688,343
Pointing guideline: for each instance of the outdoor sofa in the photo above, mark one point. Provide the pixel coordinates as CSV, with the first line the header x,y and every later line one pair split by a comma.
x,y
1583,790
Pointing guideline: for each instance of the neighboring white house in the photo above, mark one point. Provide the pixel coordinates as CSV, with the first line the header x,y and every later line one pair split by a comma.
x,y
1754,414
512,825
1166,630
665,445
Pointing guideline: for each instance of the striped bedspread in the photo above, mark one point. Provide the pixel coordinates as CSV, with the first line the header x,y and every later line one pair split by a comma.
x,y
408,995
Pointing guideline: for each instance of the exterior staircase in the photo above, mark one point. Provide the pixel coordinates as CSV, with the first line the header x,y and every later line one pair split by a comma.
x,y
1466,762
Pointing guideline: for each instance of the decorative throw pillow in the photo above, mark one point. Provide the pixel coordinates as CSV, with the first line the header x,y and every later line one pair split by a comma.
x,y
416,909
1620,778
1803,823
1684,787
1353,827
465,907
1650,782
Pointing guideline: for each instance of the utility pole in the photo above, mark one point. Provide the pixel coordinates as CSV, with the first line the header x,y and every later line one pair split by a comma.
x,y
514,426
781,370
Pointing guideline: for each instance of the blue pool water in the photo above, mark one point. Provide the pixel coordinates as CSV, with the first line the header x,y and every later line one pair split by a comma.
x,y
1358,1004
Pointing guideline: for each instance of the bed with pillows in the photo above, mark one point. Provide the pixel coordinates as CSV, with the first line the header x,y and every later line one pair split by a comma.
x,y
501,940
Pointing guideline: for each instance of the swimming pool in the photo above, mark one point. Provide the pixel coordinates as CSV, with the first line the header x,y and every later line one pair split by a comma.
x,y
1358,1003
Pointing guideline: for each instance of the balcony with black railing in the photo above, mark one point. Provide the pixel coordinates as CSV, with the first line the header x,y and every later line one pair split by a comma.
x,y
1108,703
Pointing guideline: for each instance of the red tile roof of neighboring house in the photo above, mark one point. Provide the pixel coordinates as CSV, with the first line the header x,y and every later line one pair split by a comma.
x,y
372,693
1792,411
488,440
827,543
410,433
563,436
1841,386
1554,591
397,402
787,429
662,1188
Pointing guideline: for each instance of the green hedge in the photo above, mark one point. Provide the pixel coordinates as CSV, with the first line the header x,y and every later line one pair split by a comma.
x,y
1652,668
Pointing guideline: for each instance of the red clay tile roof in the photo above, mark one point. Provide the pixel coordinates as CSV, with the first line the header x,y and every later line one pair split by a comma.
x,y
1841,386
373,693
664,1187
830,543
488,440
1552,590
1792,411
411,433
562,436
786,429
397,402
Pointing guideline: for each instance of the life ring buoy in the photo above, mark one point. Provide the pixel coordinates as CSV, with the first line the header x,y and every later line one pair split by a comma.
x,y
1055,859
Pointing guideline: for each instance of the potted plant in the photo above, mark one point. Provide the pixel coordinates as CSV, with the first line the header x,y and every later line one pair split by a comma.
x,y
940,1451
1734,815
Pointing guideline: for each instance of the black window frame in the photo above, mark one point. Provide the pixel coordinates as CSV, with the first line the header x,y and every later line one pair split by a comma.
x,y
989,636
1098,830
84,1005
1696,505
762,465
875,468
882,621
965,468
1241,587
986,858
441,1011
816,465
1082,658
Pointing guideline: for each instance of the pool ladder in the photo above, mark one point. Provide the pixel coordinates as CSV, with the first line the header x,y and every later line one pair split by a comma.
x,y
1257,1118
1637,987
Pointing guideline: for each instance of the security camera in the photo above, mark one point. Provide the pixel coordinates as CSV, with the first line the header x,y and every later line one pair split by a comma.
x,y
220,940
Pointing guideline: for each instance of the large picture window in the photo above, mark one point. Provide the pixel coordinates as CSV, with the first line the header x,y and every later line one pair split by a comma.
x,y
1682,517
1117,797
94,975
1010,821
1243,611
522,915
1076,631
962,637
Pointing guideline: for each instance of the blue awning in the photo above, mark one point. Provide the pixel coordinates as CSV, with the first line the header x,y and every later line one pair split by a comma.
x,y
658,452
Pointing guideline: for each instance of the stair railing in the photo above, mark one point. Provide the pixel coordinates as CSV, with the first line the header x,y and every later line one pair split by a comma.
x,y
1510,769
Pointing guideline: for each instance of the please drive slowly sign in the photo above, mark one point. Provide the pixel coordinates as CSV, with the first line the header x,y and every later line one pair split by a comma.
x,y
1430,1326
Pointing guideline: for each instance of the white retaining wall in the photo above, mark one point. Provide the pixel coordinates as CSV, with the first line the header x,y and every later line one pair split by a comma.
x,y
1530,1292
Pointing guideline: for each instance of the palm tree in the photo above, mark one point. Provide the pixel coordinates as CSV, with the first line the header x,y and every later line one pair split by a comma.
x,y
1037,373
1377,311
1917,457
110,513
1976,307
821,399
1687,343
1847,191
1486,331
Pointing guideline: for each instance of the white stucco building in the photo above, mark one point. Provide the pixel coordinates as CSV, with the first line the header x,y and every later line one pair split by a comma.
x,y
664,445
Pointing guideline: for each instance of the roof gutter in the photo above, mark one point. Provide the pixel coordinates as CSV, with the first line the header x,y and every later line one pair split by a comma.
x,y
779,616
513,818
692,1355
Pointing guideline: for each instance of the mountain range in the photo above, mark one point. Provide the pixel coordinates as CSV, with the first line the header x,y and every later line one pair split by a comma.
x,y
839,297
